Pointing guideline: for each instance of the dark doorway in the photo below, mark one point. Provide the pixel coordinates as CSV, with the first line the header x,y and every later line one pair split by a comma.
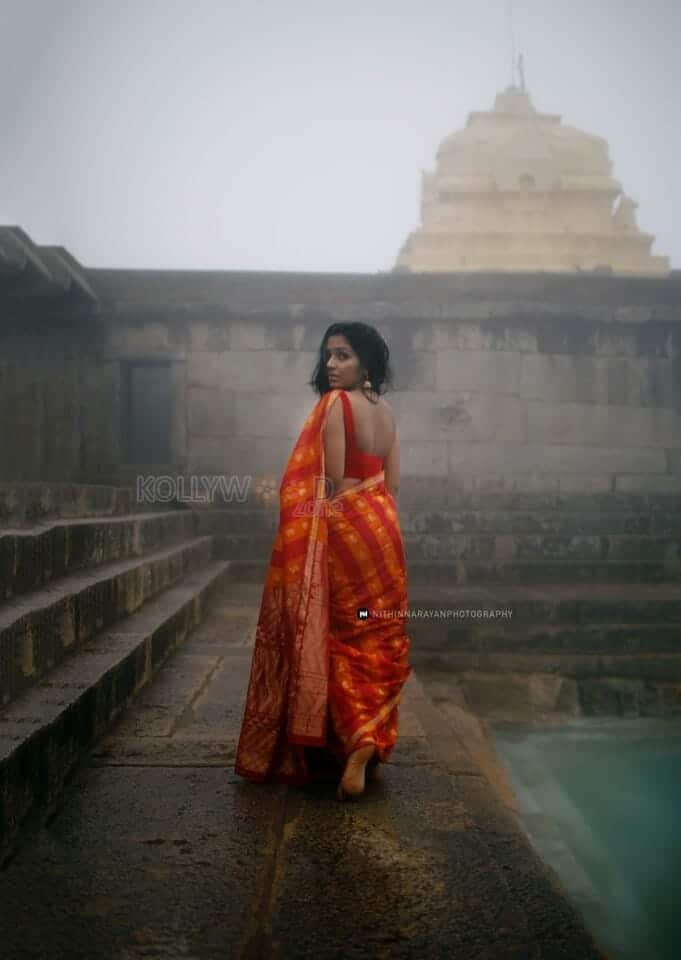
x,y
146,411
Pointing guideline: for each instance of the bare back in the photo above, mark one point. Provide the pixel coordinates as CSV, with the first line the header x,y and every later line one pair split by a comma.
x,y
374,424
375,433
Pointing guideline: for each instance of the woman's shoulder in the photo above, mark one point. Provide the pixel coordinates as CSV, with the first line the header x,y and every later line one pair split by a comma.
x,y
379,403
371,398
358,399
383,410
382,404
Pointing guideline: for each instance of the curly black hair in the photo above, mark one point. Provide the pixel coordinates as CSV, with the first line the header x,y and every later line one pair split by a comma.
x,y
370,347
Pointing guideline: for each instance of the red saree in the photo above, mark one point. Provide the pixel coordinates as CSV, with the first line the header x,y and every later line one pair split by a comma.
x,y
324,680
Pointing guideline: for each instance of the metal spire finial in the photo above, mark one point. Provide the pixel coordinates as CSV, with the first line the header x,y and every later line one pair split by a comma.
x,y
510,27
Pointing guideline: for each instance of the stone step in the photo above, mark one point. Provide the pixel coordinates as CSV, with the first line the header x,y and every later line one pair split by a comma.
x,y
566,604
45,732
546,688
443,495
566,524
33,556
239,521
493,554
460,573
46,625
532,557
610,638
611,502
659,669
26,503
243,548
458,560
597,648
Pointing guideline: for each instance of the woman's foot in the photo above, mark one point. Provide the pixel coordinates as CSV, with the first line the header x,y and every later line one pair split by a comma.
x,y
372,768
353,781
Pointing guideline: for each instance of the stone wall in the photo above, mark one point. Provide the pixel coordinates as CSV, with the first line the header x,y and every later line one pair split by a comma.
x,y
58,403
525,383
528,384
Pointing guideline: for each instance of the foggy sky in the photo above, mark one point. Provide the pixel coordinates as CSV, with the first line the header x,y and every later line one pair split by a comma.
x,y
291,135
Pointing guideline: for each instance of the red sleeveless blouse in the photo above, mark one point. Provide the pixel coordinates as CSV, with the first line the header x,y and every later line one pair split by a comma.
x,y
357,464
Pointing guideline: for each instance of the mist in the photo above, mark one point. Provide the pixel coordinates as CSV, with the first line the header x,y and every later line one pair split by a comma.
x,y
291,136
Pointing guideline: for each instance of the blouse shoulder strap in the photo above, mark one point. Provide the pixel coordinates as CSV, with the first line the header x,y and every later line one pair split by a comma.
x,y
348,418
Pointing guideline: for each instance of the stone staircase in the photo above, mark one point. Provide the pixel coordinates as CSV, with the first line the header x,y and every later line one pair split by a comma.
x,y
96,590
592,582
570,649
576,600
511,538
606,537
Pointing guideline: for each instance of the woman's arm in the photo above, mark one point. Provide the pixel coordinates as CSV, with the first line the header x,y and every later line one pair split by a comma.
x,y
334,447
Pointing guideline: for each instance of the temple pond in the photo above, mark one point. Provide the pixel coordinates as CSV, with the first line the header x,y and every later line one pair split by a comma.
x,y
600,800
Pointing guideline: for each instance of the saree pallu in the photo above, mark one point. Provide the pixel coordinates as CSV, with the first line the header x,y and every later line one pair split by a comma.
x,y
331,654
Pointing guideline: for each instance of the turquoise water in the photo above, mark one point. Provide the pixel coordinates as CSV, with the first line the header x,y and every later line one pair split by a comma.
x,y
601,802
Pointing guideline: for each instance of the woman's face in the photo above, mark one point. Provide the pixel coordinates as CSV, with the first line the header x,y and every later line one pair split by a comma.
x,y
342,363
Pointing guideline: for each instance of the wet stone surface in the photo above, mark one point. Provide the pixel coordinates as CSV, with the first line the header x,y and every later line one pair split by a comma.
x,y
159,850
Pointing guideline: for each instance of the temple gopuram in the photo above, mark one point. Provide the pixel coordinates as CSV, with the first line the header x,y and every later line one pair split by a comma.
x,y
516,190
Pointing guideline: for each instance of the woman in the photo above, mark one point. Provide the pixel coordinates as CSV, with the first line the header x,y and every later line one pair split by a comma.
x,y
331,653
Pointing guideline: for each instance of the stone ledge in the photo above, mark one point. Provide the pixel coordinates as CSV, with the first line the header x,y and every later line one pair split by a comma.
x,y
45,732
23,503
31,557
462,746
42,628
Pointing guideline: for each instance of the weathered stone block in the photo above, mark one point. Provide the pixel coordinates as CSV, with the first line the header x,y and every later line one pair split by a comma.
x,y
424,459
240,456
286,371
490,371
271,414
152,338
415,371
501,483
674,460
616,340
648,483
416,490
575,423
211,411
466,415
577,483
573,335
558,458
561,378
208,336
477,331
519,694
